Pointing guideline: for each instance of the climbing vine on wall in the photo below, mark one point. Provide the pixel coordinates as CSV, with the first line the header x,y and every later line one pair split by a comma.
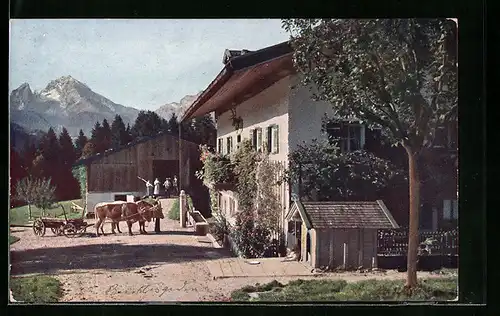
x,y
245,168
267,200
80,174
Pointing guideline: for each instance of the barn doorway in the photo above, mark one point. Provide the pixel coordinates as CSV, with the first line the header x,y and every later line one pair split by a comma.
x,y
163,169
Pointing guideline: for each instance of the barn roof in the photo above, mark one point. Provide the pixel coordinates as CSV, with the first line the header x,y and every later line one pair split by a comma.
x,y
333,214
110,151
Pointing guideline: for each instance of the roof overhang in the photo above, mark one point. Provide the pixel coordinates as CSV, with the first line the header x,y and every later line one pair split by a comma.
x,y
243,77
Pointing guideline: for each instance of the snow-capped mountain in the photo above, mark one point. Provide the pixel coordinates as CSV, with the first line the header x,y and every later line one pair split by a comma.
x,y
64,102
178,108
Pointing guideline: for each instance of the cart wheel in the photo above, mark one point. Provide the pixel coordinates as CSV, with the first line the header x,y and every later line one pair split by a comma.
x,y
39,227
70,231
57,230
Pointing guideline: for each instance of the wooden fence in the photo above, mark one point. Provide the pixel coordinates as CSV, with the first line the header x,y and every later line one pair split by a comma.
x,y
394,242
441,249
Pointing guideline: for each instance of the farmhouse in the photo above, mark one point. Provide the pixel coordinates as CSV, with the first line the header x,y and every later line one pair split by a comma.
x,y
256,96
113,175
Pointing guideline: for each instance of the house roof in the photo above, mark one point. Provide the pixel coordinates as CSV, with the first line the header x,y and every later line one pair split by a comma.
x,y
321,215
85,161
245,73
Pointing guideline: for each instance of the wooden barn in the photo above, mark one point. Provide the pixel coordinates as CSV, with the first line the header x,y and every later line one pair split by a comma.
x,y
112,175
337,234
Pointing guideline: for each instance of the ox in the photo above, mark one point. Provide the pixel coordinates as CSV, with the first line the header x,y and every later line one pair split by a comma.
x,y
130,212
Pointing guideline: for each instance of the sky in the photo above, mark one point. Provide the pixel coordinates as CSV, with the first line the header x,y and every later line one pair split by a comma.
x,y
138,63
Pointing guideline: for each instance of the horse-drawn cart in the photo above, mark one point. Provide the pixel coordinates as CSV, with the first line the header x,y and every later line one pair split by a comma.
x,y
68,227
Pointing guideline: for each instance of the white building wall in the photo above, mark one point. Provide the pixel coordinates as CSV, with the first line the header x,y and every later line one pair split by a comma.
x,y
266,108
97,197
305,116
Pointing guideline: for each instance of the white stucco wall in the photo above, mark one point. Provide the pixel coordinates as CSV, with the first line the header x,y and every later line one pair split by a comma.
x,y
266,108
96,197
305,116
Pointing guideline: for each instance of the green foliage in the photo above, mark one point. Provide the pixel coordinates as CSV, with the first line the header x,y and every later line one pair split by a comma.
x,y
245,170
80,143
148,123
43,193
119,135
36,289
269,207
327,174
397,74
340,290
80,174
174,210
250,237
173,213
219,224
216,168
20,215
25,190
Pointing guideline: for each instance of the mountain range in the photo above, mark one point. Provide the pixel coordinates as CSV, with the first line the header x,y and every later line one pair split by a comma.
x,y
67,102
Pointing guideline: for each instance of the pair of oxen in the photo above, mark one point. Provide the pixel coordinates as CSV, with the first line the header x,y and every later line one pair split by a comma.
x,y
130,212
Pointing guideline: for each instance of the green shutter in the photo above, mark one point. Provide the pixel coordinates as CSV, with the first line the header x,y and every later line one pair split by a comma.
x,y
277,145
269,138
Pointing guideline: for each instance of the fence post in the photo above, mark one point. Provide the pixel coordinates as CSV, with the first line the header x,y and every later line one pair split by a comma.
x,y
182,208
345,256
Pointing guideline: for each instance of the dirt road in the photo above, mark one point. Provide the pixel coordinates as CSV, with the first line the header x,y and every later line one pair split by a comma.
x,y
170,266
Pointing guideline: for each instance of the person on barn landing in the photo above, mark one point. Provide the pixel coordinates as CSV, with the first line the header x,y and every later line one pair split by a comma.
x,y
157,188
174,186
168,185
149,189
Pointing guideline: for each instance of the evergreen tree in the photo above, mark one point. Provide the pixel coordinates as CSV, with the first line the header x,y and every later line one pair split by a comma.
x,y
119,135
204,130
128,134
106,136
80,143
28,156
68,151
96,132
173,124
147,123
50,146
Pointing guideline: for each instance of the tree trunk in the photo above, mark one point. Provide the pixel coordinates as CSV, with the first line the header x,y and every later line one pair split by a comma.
x,y
29,210
413,240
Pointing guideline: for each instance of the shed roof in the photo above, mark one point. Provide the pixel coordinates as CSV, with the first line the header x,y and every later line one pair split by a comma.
x,y
333,214
140,140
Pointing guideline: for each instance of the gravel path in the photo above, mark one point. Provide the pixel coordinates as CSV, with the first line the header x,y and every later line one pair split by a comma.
x,y
170,266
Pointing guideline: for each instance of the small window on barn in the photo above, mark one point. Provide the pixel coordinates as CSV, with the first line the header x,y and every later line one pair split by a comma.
x,y
121,197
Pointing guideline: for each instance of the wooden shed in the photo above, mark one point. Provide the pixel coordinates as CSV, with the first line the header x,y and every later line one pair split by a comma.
x,y
337,234
113,175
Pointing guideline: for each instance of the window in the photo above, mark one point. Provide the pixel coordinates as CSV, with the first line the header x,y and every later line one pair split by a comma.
x,y
258,143
450,209
273,139
238,139
220,146
348,136
231,206
229,144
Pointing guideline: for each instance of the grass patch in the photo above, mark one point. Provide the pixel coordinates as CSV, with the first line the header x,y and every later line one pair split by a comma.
x,y
340,290
173,213
20,215
36,289
13,239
